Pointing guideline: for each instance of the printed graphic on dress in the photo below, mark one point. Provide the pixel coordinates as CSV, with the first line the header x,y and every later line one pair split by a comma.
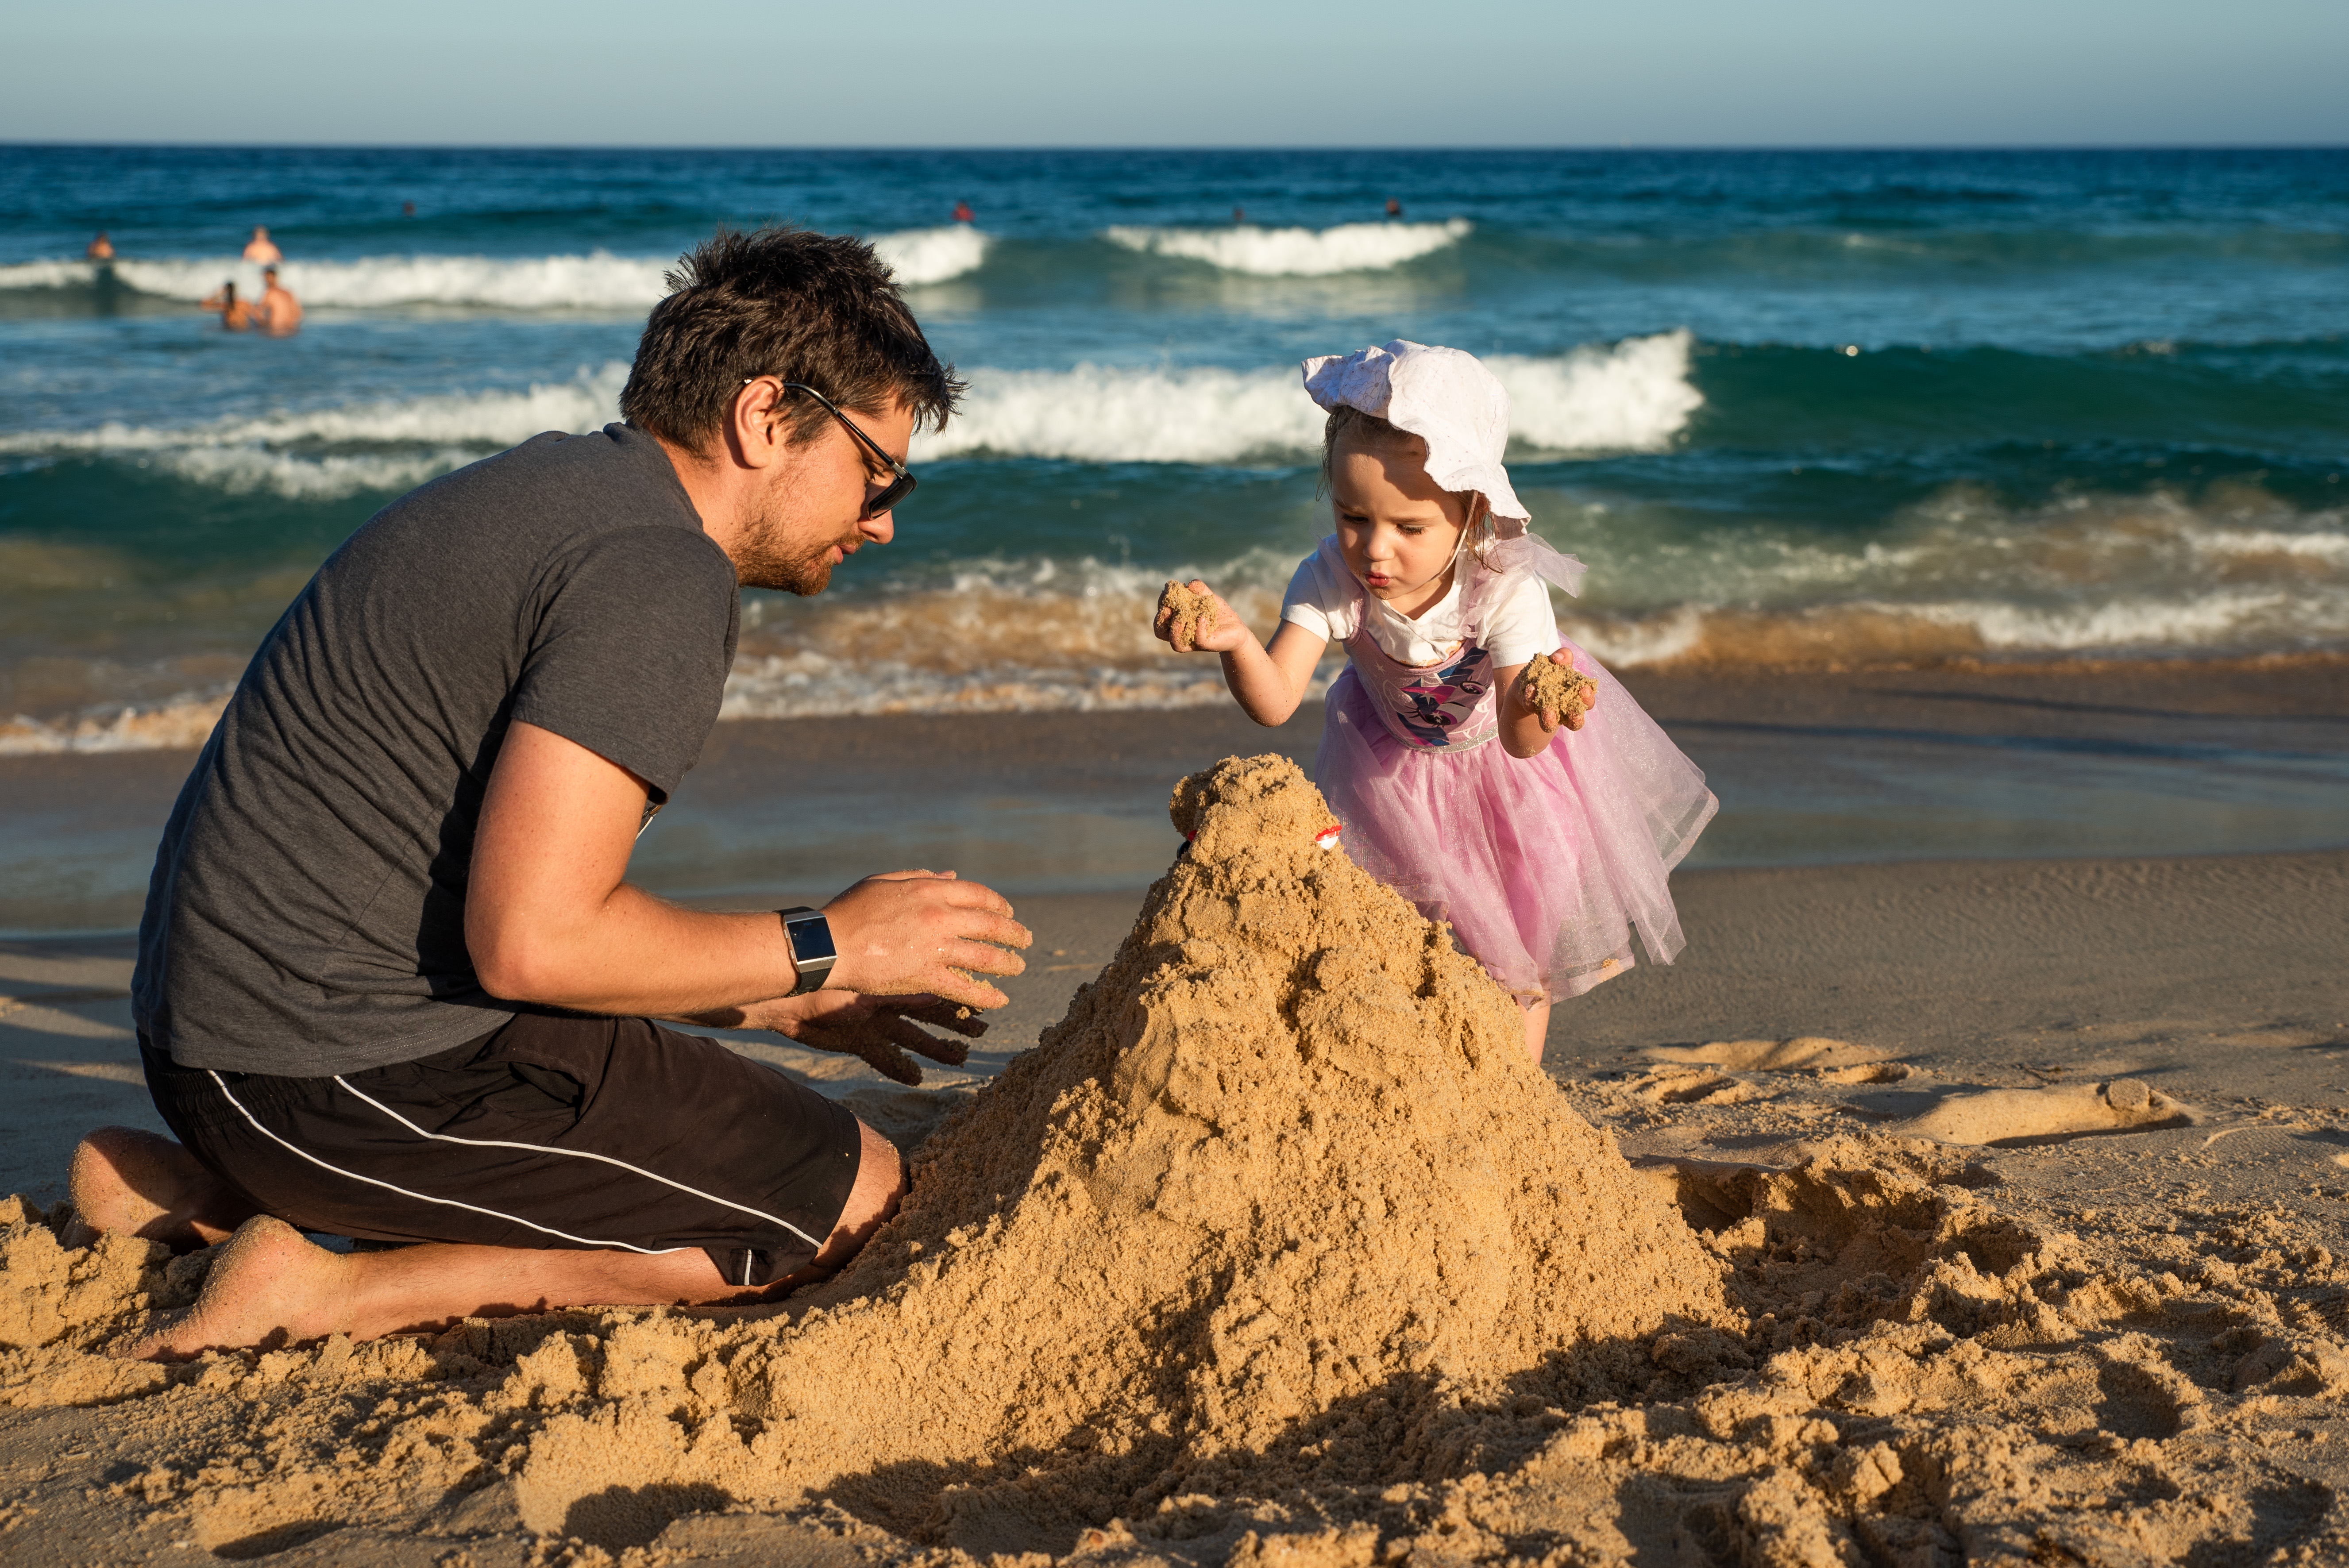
x,y
1444,698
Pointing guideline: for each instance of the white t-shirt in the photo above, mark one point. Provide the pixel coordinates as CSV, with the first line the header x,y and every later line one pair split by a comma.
x,y
1330,604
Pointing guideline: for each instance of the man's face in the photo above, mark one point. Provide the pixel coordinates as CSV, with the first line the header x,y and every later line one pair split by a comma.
x,y
809,522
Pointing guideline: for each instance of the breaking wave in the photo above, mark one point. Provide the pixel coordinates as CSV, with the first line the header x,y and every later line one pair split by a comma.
x,y
459,426
1636,395
597,281
1294,252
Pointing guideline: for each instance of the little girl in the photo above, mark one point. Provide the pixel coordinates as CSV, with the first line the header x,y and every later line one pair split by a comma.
x,y
1542,850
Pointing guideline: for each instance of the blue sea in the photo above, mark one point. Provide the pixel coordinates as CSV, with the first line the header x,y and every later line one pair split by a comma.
x,y
1794,408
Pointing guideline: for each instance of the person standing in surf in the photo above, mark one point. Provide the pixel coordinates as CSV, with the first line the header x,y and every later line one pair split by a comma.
x,y
236,315
280,315
1543,827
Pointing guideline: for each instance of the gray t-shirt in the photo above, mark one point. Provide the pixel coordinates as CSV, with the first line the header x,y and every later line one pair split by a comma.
x,y
306,914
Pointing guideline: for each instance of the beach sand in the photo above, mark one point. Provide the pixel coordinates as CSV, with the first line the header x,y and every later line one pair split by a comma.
x,y
2025,1178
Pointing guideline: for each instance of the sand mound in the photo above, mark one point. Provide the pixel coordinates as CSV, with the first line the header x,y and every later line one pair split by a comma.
x,y
1283,1169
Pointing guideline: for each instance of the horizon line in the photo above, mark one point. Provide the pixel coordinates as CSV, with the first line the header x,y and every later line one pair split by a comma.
x,y
1575,147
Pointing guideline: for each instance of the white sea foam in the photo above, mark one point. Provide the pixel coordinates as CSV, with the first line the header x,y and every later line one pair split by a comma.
x,y
1633,397
244,471
2328,545
1294,252
1095,414
932,255
481,420
596,281
48,274
2260,616
180,725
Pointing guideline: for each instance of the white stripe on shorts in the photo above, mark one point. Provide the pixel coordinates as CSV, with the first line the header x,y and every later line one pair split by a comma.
x,y
426,1197
582,1154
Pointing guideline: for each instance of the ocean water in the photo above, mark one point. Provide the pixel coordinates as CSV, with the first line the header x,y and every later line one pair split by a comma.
x,y
1800,407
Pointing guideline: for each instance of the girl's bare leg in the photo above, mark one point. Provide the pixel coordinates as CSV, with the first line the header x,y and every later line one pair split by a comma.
x,y
1537,1029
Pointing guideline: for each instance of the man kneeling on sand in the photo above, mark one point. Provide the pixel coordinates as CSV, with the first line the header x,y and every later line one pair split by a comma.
x,y
392,984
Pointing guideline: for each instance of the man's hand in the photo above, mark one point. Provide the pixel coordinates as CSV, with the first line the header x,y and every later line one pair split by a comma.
x,y
917,932
880,1030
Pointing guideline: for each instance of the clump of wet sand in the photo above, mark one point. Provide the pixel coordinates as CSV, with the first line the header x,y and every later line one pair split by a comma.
x,y
1553,687
1193,614
1275,1247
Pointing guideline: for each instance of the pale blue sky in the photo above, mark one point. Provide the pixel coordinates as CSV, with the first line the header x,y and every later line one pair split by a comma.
x,y
1184,73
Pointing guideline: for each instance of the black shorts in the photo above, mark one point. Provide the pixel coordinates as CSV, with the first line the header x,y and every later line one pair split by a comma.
x,y
551,1131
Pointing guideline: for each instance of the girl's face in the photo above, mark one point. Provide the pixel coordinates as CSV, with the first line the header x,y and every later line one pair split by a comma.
x,y
1396,530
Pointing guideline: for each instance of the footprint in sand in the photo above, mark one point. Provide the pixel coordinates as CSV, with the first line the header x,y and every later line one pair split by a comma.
x,y
1837,1061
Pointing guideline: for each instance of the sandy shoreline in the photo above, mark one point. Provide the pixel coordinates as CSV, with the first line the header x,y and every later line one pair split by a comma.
x,y
1814,766
2138,1066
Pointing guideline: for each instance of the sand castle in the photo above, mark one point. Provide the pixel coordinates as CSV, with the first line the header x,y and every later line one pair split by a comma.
x,y
1274,1248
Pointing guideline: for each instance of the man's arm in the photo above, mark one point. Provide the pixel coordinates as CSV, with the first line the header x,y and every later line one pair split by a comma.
x,y
549,918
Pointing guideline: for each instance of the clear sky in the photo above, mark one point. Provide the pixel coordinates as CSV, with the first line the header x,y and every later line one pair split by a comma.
x,y
1183,73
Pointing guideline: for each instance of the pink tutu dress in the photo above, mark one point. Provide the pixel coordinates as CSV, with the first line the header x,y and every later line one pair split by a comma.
x,y
1543,866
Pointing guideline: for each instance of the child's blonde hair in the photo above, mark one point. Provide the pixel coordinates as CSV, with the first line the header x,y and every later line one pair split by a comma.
x,y
1347,423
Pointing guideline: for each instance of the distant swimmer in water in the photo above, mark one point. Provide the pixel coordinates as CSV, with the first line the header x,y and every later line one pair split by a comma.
x,y
407,209
235,313
100,249
1394,208
963,213
280,315
260,249
1239,215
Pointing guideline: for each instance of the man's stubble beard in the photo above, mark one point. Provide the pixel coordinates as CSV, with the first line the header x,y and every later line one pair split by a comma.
x,y
765,557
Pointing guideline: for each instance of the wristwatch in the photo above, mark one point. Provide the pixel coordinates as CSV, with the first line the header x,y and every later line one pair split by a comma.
x,y
812,954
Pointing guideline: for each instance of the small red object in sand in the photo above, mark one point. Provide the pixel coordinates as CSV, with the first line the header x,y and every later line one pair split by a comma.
x,y
1327,837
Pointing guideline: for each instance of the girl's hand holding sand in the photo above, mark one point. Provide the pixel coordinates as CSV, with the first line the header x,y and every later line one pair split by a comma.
x,y
1193,618
1553,692
1268,682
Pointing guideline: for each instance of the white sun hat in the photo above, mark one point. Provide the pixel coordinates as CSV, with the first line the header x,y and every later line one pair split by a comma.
x,y
1446,398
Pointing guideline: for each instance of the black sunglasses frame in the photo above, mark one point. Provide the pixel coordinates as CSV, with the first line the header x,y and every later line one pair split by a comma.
x,y
897,490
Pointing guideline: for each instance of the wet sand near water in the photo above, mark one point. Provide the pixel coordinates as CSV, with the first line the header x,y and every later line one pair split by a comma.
x,y
1990,761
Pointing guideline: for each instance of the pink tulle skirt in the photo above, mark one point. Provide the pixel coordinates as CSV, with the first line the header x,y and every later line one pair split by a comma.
x,y
1543,866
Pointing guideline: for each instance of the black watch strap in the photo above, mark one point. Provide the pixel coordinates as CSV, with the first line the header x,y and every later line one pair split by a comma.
x,y
813,953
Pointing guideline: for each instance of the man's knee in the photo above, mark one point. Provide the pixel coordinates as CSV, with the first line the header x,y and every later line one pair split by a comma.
x,y
880,1187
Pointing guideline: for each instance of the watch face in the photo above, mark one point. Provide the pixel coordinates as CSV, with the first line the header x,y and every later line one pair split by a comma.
x,y
810,939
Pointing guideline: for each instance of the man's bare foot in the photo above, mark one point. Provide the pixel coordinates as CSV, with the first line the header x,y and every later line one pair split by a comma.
x,y
268,1285
138,1183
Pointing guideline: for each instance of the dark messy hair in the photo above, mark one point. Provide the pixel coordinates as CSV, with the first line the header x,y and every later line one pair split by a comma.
x,y
1348,426
818,309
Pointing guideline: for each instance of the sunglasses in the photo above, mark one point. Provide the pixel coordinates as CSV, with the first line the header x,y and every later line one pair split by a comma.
x,y
896,490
